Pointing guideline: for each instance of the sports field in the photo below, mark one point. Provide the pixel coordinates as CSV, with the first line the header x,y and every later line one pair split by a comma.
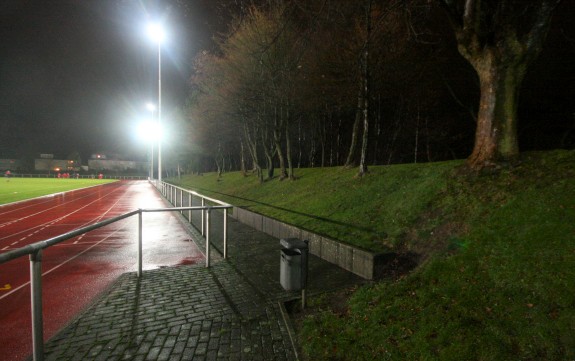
x,y
17,189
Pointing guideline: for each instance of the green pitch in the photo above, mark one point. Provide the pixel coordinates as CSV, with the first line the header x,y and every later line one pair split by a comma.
x,y
17,189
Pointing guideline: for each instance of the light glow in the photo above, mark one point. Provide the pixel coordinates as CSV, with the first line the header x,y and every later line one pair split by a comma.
x,y
156,32
149,131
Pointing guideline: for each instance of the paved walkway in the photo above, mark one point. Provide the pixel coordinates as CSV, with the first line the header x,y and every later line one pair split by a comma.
x,y
230,311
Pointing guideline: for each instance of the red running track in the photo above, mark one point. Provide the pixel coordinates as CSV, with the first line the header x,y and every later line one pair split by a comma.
x,y
78,270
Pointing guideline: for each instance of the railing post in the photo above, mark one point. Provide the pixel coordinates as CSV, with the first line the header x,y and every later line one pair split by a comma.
x,y
36,298
203,218
140,243
207,238
181,200
190,205
225,233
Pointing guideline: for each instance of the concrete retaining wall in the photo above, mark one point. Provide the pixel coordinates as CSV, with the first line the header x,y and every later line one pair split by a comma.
x,y
355,260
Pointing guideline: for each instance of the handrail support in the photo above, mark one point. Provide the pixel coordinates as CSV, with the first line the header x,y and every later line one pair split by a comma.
x,y
36,304
208,221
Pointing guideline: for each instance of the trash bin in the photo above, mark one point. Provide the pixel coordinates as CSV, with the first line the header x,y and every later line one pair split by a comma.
x,y
294,264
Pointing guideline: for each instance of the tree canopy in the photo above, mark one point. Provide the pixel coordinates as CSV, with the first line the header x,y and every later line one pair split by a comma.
x,y
333,82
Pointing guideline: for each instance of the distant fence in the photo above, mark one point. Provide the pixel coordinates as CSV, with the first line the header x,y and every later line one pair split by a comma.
x,y
80,176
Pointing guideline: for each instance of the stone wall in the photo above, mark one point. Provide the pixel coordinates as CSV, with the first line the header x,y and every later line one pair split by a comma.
x,y
350,258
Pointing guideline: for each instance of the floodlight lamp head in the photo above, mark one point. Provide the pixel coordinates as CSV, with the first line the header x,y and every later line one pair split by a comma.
x,y
156,32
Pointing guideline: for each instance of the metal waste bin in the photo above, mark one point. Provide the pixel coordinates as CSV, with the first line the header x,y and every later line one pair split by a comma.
x,y
294,264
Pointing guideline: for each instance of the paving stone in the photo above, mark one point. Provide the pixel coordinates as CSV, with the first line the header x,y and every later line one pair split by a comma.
x,y
230,311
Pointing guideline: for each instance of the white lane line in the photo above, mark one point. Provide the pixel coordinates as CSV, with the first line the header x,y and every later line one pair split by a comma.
x,y
114,190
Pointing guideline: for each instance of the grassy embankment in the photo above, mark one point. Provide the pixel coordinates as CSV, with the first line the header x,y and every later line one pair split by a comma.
x,y
17,189
498,282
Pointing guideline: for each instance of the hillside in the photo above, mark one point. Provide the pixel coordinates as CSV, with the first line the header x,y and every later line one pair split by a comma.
x,y
496,279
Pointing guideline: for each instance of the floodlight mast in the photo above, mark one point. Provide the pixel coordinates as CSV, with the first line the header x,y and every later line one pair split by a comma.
x,y
156,33
152,108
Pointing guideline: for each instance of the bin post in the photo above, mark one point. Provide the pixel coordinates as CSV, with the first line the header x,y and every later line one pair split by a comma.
x,y
305,265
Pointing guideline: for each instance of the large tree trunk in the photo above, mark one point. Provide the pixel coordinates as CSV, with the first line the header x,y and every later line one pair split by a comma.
x,y
496,133
499,40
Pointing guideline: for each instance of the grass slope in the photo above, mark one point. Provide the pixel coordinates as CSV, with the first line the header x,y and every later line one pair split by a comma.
x,y
18,189
499,278
371,213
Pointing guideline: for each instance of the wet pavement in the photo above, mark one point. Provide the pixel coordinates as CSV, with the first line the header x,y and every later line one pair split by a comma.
x,y
80,269
230,311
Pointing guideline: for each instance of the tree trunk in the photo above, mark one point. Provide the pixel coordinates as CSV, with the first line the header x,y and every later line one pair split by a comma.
x,y
349,162
219,160
338,142
322,140
299,143
416,137
365,94
242,159
377,132
269,152
291,174
278,125
496,132
253,149
499,42
280,154
270,166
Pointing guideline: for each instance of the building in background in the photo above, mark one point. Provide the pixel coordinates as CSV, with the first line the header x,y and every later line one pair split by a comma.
x,y
46,162
9,164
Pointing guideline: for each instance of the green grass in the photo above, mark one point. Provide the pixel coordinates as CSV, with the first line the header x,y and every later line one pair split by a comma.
x,y
18,189
370,213
498,282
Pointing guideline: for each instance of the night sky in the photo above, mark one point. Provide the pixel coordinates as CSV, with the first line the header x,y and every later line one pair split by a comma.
x,y
75,75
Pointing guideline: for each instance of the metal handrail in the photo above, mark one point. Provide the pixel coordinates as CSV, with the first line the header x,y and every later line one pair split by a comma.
x,y
166,191
34,250
38,246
